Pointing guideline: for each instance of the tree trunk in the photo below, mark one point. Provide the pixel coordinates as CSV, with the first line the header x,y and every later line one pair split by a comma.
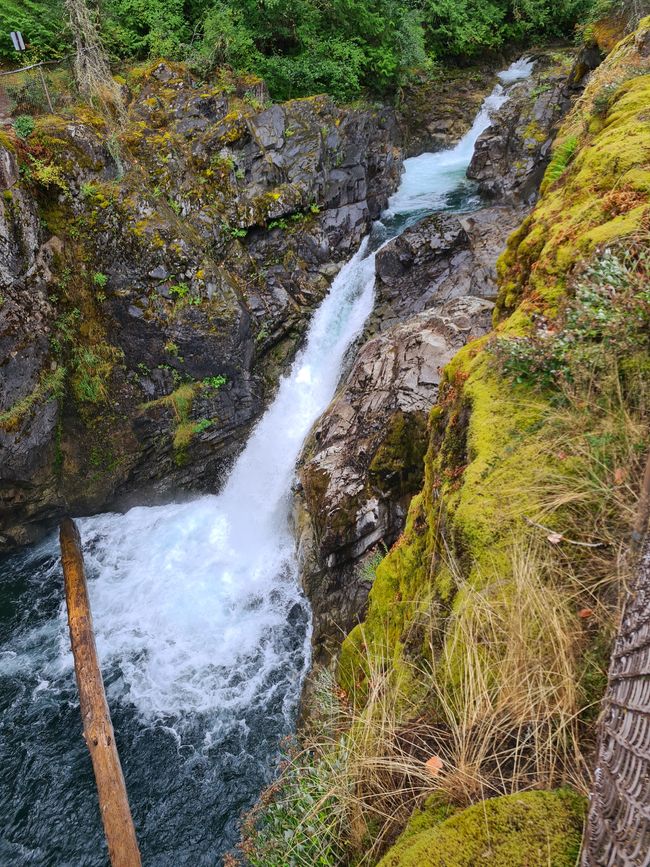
x,y
95,715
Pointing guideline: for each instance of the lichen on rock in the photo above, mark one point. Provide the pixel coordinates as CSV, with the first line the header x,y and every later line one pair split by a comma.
x,y
192,244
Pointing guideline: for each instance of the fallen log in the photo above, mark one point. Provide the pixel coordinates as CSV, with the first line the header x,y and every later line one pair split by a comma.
x,y
97,726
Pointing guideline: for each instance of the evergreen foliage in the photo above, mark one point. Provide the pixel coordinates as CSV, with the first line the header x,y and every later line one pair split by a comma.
x,y
301,47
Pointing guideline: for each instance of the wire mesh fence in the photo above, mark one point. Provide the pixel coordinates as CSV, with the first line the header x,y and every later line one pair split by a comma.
x,y
39,89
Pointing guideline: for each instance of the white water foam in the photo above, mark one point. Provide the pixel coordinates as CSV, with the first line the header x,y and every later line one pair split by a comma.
x,y
192,601
429,178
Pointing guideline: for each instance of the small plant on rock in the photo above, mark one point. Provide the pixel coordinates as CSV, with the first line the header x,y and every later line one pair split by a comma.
x,y
24,126
179,291
214,382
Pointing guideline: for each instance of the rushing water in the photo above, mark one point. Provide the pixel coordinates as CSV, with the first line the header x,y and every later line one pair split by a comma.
x,y
201,627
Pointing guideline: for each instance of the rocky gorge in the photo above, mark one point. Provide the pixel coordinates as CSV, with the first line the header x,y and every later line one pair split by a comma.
x,y
164,280
383,449
436,285
155,288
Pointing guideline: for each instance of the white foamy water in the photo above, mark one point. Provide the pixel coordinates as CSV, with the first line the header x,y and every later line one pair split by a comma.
x,y
197,605
191,600
429,178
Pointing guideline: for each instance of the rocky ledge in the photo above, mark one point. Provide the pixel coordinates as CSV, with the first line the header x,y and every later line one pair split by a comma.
x,y
365,458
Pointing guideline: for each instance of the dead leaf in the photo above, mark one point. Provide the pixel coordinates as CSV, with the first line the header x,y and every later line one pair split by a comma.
x,y
434,765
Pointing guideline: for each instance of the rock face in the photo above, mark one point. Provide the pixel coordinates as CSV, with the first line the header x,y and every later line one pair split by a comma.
x,y
364,459
445,256
154,284
511,156
435,114
435,285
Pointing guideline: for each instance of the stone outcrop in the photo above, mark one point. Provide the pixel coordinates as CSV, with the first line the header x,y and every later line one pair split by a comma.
x,y
364,459
445,256
155,283
511,156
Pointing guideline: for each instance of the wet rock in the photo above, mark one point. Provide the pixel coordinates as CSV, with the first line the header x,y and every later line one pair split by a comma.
x,y
8,168
444,256
364,459
159,273
435,114
191,254
511,156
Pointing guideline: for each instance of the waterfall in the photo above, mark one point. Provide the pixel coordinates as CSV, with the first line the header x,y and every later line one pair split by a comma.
x,y
202,629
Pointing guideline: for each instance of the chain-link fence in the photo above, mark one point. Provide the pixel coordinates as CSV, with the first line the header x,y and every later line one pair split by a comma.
x,y
36,90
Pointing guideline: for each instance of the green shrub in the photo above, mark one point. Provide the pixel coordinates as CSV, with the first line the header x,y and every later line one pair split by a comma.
x,y
179,291
46,174
24,125
42,23
215,382
607,319
298,819
202,424
302,47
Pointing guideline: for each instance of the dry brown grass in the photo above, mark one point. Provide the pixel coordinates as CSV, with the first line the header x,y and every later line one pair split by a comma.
x,y
500,714
506,683
603,435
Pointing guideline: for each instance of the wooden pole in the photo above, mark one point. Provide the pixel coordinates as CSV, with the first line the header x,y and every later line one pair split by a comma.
x,y
98,729
47,92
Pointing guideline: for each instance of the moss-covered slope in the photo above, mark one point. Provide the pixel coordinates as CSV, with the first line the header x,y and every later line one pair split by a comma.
x,y
534,829
488,457
533,452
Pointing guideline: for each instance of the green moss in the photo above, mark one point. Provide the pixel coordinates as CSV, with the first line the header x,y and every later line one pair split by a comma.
x,y
180,402
49,387
485,462
435,811
399,590
398,464
530,829
6,141
535,132
591,160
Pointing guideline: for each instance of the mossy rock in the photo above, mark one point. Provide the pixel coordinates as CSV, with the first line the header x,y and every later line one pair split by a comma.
x,y
398,464
596,190
529,829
